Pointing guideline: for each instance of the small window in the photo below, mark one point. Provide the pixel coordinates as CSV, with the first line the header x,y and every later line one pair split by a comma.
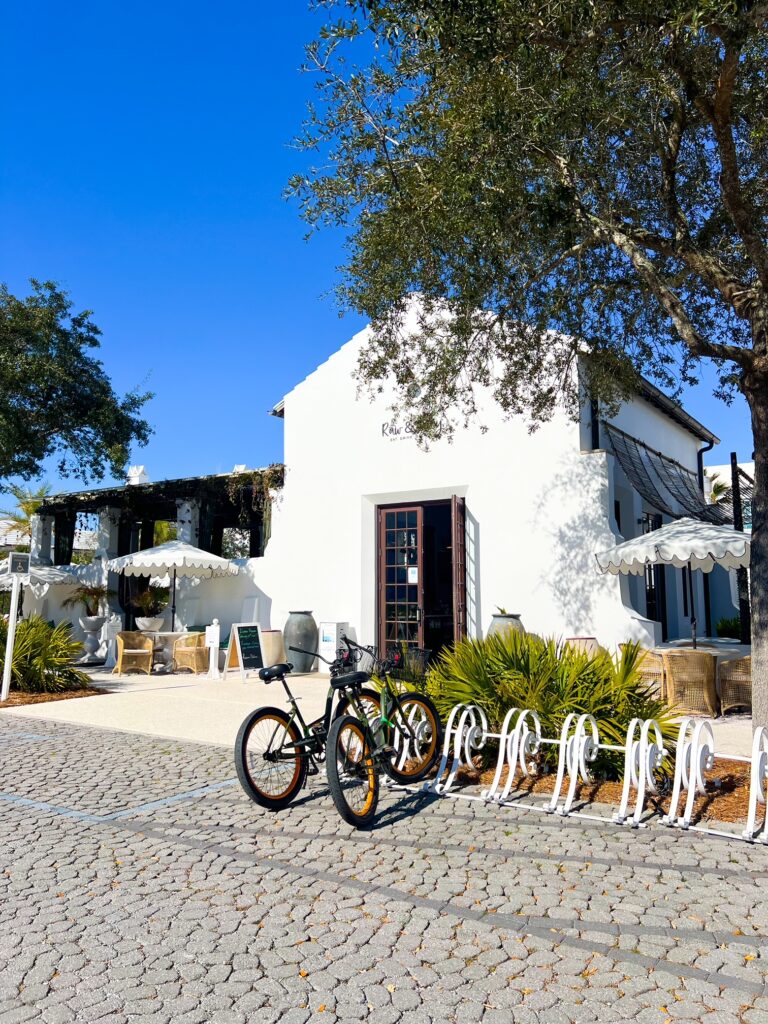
x,y
617,513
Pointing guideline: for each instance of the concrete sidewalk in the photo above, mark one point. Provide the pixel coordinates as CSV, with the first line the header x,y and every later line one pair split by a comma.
x,y
194,708
179,706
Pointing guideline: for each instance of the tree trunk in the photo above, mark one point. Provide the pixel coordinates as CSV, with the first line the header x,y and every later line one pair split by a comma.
x,y
758,403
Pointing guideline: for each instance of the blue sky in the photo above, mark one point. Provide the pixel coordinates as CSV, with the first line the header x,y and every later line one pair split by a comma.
x,y
145,152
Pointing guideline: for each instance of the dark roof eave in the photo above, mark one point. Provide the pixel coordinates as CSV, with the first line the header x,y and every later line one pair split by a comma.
x,y
675,412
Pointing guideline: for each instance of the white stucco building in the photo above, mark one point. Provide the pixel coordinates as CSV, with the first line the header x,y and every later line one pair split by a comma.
x,y
400,542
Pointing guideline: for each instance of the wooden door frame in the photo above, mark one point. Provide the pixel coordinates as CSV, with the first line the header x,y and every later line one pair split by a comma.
x,y
381,619
457,505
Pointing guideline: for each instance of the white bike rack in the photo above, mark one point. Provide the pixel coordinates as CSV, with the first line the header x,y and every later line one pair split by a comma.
x,y
578,746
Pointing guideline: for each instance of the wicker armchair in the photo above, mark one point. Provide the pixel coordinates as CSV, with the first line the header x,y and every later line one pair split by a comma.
x,y
190,652
691,683
736,684
651,669
134,653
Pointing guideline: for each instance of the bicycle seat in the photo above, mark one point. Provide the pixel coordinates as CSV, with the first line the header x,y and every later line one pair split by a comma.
x,y
350,679
274,672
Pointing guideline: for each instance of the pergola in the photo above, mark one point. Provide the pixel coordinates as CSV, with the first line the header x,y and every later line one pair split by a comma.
x,y
202,507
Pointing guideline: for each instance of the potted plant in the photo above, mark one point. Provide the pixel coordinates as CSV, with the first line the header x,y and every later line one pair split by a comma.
x,y
90,596
503,621
151,603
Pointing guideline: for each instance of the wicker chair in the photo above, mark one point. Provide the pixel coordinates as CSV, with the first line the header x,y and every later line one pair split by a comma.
x,y
691,683
651,669
190,652
134,653
736,684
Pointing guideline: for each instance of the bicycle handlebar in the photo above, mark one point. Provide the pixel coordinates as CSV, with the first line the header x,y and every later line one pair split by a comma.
x,y
315,654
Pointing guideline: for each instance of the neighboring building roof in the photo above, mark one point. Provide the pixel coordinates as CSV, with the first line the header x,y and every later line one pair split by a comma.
x,y
724,472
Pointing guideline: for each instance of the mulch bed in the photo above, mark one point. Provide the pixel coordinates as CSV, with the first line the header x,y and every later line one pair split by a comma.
x,y
728,799
16,699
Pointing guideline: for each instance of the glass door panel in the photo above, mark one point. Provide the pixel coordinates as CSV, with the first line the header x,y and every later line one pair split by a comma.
x,y
400,577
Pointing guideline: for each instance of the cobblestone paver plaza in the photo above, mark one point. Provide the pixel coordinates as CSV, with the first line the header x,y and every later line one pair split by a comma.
x,y
139,884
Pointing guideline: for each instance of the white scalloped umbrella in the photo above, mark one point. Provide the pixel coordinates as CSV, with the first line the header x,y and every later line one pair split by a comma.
x,y
174,558
38,579
684,542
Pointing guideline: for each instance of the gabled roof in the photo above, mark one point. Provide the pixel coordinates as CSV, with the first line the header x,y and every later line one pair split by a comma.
x,y
646,390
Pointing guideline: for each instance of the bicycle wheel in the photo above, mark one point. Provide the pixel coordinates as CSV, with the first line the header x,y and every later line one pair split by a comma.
x,y
353,776
416,754
370,702
270,768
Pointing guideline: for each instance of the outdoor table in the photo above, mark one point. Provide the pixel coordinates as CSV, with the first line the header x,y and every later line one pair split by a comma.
x,y
163,653
723,650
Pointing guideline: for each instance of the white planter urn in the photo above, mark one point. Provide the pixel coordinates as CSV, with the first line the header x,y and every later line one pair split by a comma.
x,y
506,623
91,626
153,624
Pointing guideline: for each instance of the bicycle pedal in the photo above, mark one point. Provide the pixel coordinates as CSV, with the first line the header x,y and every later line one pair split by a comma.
x,y
388,749
313,770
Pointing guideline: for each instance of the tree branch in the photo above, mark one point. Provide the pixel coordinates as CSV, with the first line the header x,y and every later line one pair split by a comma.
x,y
719,111
669,301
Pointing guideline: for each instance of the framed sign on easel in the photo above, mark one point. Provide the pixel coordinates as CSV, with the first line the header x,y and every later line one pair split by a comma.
x,y
245,652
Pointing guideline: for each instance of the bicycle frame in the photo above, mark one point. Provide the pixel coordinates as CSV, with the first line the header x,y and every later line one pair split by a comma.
x,y
314,734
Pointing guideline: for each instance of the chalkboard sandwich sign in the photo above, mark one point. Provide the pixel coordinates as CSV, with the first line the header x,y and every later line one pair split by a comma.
x,y
245,651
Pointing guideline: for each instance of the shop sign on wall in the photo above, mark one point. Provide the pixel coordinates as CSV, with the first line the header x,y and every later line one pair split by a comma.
x,y
395,431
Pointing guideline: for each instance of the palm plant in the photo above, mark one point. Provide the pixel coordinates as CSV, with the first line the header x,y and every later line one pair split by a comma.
x,y
516,670
89,595
28,501
43,656
719,491
152,601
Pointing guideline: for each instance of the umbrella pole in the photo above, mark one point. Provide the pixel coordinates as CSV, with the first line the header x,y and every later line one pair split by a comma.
x,y
173,603
693,606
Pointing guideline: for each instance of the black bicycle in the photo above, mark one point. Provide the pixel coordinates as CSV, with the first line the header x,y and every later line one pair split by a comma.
x,y
398,730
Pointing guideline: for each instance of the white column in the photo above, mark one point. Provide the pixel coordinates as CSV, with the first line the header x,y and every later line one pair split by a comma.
x,y
106,548
188,522
40,548
106,536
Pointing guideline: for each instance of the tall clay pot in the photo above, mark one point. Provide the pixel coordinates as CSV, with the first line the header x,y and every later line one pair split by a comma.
x,y
505,623
300,631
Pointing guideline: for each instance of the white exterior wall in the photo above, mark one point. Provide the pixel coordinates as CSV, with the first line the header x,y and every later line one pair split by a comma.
x,y
537,510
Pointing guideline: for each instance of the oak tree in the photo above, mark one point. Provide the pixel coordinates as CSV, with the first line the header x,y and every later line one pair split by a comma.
x,y
55,397
558,180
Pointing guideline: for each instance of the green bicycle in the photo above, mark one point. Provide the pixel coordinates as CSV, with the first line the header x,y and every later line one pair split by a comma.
x,y
276,750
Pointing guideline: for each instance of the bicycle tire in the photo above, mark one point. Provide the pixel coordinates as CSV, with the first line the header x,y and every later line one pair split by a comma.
x,y
372,697
247,760
353,775
411,764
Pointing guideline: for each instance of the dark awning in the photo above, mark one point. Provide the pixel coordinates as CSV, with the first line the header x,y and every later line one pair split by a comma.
x,y
665,484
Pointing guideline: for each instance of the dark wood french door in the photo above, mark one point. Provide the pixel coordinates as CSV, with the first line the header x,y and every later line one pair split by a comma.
x,y
422,574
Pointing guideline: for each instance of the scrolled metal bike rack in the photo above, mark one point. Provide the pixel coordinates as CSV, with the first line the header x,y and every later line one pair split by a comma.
x,y
520,739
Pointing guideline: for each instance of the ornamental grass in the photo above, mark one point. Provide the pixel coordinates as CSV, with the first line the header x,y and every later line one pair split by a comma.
x,y
519,670
42,657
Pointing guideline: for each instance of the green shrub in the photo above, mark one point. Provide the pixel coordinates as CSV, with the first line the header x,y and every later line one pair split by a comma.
x,y
730,628
511,669
42,657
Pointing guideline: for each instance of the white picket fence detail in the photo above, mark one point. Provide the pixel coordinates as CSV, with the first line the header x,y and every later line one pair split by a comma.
x,y
520,739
